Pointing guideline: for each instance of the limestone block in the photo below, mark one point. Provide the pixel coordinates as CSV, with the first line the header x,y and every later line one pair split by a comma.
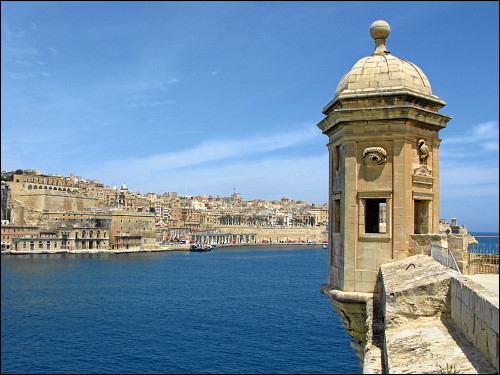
x,y
430,346
494,319
467,320
480,339
492,344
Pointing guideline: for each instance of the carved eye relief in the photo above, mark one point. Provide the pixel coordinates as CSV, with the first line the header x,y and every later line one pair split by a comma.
x,y
374,156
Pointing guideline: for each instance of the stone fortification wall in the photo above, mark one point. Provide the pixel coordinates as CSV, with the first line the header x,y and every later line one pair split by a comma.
x,y
420,244
425,317
474,309
273,234
58,200
29,204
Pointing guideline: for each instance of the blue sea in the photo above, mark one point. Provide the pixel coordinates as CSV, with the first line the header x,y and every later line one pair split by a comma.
x,y
488,244
232,310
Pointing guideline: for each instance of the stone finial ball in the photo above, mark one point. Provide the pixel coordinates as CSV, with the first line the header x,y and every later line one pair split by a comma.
x,y
380,30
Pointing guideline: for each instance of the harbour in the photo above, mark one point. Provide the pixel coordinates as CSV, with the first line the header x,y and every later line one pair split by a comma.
x,y
226,311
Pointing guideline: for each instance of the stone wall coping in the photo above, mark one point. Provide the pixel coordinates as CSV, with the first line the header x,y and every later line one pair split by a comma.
x,y
416,271
479,289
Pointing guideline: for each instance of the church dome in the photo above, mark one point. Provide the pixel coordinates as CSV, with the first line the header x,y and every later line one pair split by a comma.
x,y
382,71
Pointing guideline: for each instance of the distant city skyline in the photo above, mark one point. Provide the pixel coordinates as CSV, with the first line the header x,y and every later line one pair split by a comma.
x,y
202,98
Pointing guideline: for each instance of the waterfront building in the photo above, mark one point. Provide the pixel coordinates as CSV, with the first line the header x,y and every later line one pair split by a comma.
x,y
97,229
34,198
10,232
217,238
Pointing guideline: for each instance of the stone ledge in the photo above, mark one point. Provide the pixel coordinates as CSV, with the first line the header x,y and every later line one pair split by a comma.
x,y
345,297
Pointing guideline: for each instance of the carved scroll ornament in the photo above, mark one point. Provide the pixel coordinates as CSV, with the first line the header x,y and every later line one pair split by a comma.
x,y
374,156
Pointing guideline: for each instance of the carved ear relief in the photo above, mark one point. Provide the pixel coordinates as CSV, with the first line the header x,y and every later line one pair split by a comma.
x,y
374,156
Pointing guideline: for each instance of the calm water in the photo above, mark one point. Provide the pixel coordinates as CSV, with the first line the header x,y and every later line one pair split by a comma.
x,y
237,310
487,244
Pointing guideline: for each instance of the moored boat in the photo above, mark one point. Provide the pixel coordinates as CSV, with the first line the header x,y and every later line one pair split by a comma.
x,y
198,247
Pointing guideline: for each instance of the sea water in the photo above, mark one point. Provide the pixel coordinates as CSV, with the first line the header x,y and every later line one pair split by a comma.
x,y
488,244
231,310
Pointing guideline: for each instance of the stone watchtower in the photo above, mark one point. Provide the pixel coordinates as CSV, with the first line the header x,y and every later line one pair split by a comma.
x,y
383,125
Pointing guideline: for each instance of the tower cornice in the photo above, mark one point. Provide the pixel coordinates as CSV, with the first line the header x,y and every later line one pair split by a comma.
x,y
421,117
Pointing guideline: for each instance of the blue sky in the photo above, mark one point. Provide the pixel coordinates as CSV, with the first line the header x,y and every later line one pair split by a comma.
x,y
207,97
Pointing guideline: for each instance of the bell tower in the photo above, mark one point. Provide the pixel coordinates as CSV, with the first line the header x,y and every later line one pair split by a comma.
x,y
382,127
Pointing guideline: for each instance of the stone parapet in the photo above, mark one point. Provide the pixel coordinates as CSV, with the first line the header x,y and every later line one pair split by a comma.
x,y
420,244
437,316
474,309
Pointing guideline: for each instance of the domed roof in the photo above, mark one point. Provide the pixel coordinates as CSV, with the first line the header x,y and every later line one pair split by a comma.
x,y
382,71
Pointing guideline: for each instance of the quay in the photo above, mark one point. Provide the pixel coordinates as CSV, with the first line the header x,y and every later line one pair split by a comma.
x,y
175,247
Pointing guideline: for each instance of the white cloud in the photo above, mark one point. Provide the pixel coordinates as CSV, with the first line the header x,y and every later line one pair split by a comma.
x,y
177,132
469,193
484,134
216,150
304,178
24,63
214,164
149,104
13,75
11,34
490,146
468,181
467,175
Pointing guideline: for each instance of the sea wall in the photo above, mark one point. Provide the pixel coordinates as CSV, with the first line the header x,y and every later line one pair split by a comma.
x,y
277,234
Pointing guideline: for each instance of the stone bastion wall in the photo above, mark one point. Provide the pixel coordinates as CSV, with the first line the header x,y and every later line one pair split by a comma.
x,y
277,234
424,318
29,204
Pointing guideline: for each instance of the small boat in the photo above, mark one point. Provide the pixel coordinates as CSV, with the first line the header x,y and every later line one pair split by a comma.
x,y
197,247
